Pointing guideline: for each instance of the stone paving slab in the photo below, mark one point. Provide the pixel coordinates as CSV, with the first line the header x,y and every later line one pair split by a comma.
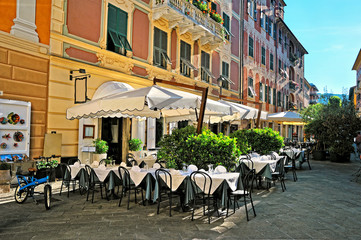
x,y
322,204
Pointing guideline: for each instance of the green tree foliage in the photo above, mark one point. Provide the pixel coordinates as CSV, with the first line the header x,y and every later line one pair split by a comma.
x,y
242,141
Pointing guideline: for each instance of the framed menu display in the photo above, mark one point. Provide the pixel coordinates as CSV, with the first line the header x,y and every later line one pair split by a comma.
x,y
14,128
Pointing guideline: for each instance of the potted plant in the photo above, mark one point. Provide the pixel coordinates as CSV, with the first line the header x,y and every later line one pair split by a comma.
x,y
46,168
101,149
5,177
135,146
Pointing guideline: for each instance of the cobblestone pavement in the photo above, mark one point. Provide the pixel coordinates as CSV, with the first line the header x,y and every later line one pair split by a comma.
x,y
323,204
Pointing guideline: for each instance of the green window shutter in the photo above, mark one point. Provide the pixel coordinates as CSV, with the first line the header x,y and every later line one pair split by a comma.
x,y
122,22
271,61
274,30
279,66
250,46
214,6
112,18
226,21
269,94
260,92
267,21
263,60
274,96
255,11
265,93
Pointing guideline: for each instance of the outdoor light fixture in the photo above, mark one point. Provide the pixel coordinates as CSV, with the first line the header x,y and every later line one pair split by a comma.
x,y
80,86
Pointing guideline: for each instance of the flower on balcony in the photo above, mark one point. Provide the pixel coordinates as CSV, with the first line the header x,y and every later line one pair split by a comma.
x,y
201,5
216,17
159,1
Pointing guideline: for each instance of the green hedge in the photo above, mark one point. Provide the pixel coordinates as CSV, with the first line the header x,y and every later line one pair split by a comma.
x,y
184,146
262,141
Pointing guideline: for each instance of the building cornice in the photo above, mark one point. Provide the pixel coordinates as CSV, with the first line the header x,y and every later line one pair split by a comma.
x,y
293,37
357,62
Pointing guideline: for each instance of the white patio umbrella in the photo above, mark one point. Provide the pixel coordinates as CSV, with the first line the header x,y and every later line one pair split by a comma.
x,y
143,102
285,117
240,111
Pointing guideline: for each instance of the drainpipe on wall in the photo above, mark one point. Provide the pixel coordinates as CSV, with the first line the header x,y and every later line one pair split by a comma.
x,y
241,48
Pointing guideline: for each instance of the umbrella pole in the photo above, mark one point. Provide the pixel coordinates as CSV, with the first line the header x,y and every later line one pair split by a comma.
x,y
204,98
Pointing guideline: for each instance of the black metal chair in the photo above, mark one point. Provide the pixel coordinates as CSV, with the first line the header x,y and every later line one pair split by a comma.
x,y
244,191
128,186
291,165
307,157
67,180
201,187
279,173
71,161
130,160
164,180
93,180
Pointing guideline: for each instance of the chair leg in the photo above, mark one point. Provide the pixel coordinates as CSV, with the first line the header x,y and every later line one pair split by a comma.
x,y
170,204
61,188
254,210
309,165
234,204
135,196
128,199
69,188
245,206
93,192
158,203
141,190
121,197
101,191
87,195
194,206
209,211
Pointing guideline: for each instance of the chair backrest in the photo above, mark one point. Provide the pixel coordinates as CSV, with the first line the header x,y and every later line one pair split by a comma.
x,y
244,168
280,167
71,161
124,176
89,172
248,179
130,160
65,171
202,181
103,161
167,178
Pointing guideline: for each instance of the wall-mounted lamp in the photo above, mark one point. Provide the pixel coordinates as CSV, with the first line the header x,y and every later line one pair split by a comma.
x,y
80,86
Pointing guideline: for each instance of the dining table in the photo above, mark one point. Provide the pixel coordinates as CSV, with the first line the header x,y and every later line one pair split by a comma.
x,y
221,184
295,153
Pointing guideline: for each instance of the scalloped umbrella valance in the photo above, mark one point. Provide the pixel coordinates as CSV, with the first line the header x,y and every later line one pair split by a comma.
x,y
143,102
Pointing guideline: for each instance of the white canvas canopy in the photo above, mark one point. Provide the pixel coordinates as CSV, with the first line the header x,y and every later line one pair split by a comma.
x,y
285,117
240,112
143,102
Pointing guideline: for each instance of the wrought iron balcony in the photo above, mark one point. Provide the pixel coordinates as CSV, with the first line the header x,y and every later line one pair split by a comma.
x,y
189,18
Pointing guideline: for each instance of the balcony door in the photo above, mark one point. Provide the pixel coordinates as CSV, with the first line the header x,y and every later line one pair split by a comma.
x,y
112,133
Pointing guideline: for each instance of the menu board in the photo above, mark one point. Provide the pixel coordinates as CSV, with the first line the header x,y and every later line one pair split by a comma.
x,y
14,128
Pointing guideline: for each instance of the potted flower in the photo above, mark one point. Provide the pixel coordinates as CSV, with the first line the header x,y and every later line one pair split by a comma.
x,y
135,145
5,177
46,168
101,149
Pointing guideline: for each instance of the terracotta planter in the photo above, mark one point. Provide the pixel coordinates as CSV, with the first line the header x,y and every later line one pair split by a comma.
x,y
335,157
319,155
5,181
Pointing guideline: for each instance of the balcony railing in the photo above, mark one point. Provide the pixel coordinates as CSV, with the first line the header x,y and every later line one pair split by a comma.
x,y
189,18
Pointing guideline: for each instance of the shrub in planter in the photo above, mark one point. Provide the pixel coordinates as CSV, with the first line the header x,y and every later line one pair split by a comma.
x,y
46,168
242,142
263,140
173,146
209,148
135,144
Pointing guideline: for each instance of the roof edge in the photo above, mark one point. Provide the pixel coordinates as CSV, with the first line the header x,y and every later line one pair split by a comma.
x,y
357,62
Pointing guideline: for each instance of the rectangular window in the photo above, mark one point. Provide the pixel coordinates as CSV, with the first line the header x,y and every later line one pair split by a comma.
x,y
280,37
250,87
226,23
265,93
250,47
271,61
270,26
274,96
225,74
213,6
262,19
185,59
254,10
206,74
269,94
279,99
267,21
249,7
260,92
274,31
279,66
160,56
117,31
263,59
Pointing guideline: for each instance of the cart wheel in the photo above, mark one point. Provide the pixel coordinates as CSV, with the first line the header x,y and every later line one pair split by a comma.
x,y
21,196
47,196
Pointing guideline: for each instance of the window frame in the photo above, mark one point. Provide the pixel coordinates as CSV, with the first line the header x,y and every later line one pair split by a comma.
x,y
206,74
263,56
271,63
250,47
164,60
261,91
250,87
225,74
185,61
